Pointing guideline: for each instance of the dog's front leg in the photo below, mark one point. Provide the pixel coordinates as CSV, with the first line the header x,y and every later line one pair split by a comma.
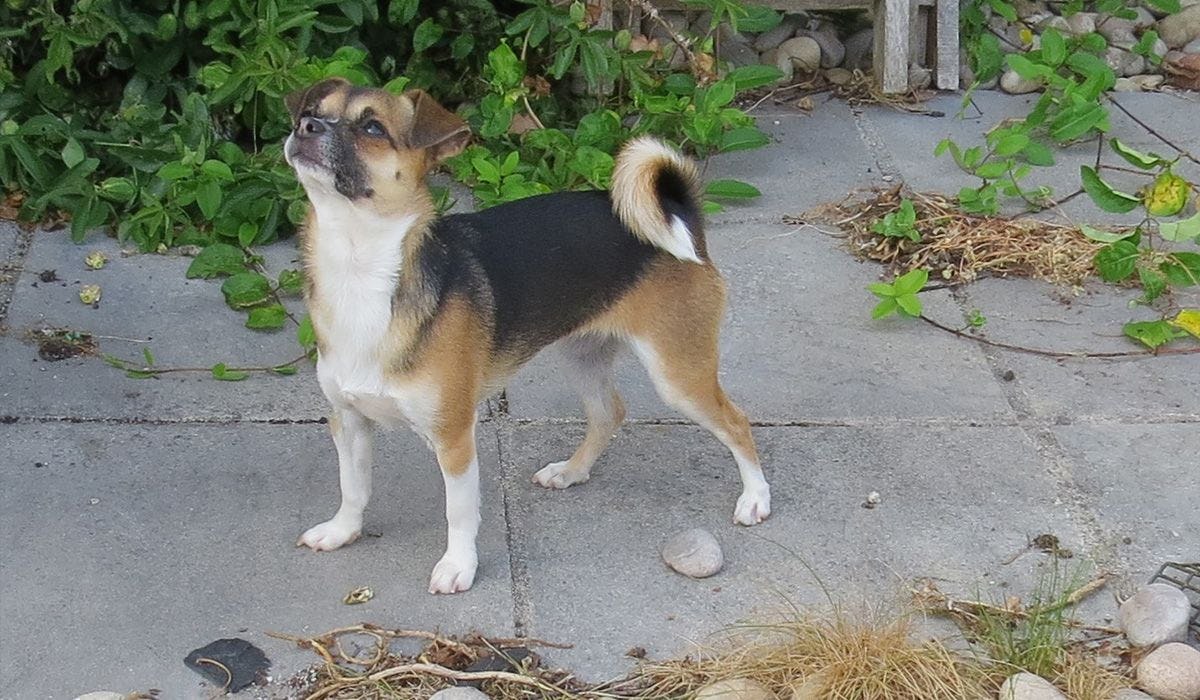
x,y
352,437
460,470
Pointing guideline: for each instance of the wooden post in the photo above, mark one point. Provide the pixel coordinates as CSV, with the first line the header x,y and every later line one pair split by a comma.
x,y
946,70
892,19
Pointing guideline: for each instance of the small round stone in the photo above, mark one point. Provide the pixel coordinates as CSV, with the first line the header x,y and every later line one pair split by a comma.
x,y
1156,614
459,692
695,553
1014,84
734,689
1171,672
839,76
804,53
1026,686
1131,694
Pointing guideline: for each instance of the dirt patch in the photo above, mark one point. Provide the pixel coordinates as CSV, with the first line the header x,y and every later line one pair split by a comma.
x,y
56,344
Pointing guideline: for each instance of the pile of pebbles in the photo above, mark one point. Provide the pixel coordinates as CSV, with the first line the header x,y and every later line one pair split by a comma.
x,y
803,44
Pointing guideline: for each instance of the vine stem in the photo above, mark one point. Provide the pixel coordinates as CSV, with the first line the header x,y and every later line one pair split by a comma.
x,y
1057,353
168,370
1160,137
676,37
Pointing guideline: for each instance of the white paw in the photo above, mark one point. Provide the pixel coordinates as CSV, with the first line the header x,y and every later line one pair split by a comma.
x,y
753,507
559,475
452,574
330,535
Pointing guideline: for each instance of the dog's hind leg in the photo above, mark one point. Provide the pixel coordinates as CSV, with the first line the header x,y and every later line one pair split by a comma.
x,y
590,358
352,437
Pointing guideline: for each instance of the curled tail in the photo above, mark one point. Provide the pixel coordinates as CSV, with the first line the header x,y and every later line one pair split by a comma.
x,y
656,194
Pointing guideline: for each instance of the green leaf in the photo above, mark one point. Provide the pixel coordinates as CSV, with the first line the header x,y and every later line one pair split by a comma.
x,y
909,304
148,357
285,370
716,95
72,153
1038,154
1133,157
246,289
742,138
216,170
1076,121
885,308
992,169
731,189
1104,195
291,281
462,46
912,281
1181,231
174,171
1153,282
1054,47
883,290
749,77
224,374
1116,261
1026,68
758,19
1182,269
117,189
267,317
246,233
208,196
1152,334
305,335
1168,6
1004,9
217,260
1011,144
1105,236
427,34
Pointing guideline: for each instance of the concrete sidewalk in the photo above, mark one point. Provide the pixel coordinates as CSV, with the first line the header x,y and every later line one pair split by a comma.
x,y
140,519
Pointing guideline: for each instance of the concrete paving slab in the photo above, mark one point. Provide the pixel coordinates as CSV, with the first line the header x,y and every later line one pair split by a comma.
x,y
1141,480
815,158
126,546
1039,315
9,233
956,503
146,298
799,344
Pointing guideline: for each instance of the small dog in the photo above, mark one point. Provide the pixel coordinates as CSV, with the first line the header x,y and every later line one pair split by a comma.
x,y
418,318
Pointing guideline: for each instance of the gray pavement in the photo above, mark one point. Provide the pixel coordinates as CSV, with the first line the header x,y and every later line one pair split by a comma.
x,y
140,519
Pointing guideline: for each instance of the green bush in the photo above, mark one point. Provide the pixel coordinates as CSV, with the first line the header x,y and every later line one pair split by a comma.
x,y
165,119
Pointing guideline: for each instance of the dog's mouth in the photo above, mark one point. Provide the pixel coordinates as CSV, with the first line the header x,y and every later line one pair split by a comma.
x,y
305,154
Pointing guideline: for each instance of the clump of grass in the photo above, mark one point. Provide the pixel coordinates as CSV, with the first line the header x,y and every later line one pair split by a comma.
x,y
1083,678
841,657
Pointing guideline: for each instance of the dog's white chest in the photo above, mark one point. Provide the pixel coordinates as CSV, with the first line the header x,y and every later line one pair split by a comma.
x,y
355,274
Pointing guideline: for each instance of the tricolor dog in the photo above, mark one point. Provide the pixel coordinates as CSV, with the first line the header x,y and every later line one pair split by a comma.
x,y
418,318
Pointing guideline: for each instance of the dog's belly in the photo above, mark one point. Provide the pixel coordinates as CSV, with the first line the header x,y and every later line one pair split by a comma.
x,y
367,392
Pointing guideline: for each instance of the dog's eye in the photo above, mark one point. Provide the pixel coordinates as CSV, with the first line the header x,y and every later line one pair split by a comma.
x,y
374,128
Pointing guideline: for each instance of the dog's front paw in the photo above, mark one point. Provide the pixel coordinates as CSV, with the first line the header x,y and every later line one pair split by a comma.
x,y
453,574
560,475
753,507
330,535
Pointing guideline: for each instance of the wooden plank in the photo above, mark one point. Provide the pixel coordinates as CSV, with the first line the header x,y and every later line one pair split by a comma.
x,y
946,36
892,18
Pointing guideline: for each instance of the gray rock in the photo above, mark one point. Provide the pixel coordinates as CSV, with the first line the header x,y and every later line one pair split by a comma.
x,y
804,53
1026,686
1157,613
1014,84
734,689
811,688
1192,46
1171,672
1081,23
459,692
919,77
839,76
702,24
1139,83
1055,22
832,50
1027,8
695,553
676,20
1124,62
860,50
1118,31
1180,28
1131,694
966,75
772,38
735,48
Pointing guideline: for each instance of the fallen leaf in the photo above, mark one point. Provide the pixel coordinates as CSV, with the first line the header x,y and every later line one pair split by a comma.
x,y
95,260
1188,320
89,294
359,596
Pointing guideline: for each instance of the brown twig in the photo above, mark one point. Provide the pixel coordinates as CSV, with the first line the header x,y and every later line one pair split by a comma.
x,y
680,41
1057,353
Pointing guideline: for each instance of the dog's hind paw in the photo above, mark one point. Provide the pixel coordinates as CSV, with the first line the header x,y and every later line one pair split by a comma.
x,y
753,507
329,535
560,475
452,575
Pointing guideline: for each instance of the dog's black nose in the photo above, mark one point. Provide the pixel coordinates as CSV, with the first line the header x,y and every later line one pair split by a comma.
x,y
311,126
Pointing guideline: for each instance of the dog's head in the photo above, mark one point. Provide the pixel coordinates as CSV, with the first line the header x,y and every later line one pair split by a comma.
x,y
368,144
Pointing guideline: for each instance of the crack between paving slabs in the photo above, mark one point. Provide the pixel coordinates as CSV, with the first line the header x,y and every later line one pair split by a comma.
x,y
11,269
884,163
1054,458
517,559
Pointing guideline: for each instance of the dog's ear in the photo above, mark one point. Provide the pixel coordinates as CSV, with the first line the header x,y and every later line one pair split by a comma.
x,y
437,130
295,101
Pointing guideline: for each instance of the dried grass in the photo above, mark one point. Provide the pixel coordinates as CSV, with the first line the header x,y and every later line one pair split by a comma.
x,y
960,247
1084,678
